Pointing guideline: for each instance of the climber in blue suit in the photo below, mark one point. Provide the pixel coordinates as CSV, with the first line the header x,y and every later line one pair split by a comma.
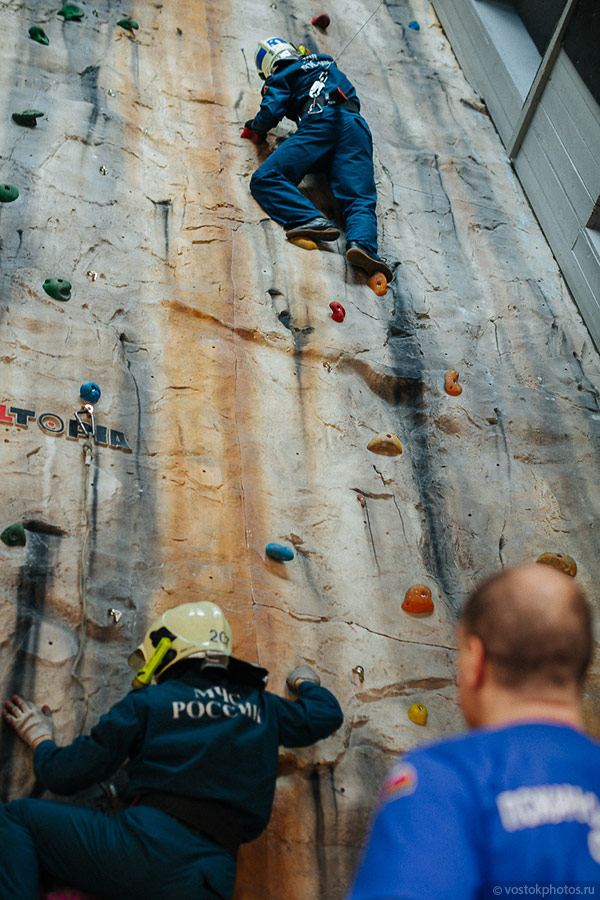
x,y
202,749
332,137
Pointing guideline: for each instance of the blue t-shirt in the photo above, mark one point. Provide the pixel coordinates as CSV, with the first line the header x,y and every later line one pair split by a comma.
x,y
197,737
472,816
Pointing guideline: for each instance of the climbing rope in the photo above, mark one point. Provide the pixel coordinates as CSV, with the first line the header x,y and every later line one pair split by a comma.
x,y
319,84
88,455
343,50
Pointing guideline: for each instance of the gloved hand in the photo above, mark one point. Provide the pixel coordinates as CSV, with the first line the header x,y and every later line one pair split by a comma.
x,y
300,674
31,724
251,135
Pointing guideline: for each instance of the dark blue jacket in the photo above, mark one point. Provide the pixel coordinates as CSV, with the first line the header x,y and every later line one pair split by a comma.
x,y
285,92
196,738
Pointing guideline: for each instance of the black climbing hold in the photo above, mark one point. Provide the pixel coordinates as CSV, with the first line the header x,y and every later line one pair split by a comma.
x,y
128,24
71,13
58,288
14,536
90,392
28,117
8,193
36,33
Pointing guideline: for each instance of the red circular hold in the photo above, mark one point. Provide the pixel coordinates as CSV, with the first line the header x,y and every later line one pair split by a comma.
x,y
321,21
338,312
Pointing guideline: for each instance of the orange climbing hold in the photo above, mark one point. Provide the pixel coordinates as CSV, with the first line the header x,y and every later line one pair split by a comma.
x,y
418,599
417,713
385,444
378,283
451,383
561,561
304,243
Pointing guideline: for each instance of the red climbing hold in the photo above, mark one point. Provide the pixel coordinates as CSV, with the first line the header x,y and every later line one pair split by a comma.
x,y
338,312
252,136
321,21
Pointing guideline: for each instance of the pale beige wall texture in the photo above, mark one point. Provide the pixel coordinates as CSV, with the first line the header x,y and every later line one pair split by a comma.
x,y
248,412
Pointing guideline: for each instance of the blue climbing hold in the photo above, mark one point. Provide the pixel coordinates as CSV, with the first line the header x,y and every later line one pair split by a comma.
x,y
279,552
414,25
90,392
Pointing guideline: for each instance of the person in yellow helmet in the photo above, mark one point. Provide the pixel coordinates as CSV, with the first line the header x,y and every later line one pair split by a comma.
x,y
201,736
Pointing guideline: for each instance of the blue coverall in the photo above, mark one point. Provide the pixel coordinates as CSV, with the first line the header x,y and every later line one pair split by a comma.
x,y
197,736
334,140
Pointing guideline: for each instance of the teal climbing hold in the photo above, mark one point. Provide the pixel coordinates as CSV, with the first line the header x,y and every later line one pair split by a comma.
x,y
14,536
90,392
28,117
71,13
8,193
128,24
279,552
36,33
414,25
58,288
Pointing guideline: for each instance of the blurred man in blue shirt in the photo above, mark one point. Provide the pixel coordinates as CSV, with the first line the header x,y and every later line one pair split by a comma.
x,y
513,807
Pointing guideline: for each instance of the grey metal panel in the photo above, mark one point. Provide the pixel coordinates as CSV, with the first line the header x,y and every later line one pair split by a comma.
x,y
587,287
576,116
516,49
544,145
559,161
544,192
481,61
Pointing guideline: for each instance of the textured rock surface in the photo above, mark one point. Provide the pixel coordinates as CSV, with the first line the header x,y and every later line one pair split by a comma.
x,y
248,409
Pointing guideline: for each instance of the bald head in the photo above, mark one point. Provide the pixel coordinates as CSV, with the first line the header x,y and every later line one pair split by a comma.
x,y
535,626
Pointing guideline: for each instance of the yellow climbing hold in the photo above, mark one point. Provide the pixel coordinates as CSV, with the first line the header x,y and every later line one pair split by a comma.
x,y
561,561
417,713
386,444
303,243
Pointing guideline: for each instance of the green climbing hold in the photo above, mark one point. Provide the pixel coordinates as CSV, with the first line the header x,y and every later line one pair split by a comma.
x,y
8,193
128,24
14,536
71,13
38,34
28,117
58,288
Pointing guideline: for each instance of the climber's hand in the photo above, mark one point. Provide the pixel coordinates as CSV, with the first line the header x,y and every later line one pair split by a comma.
x,y
31,724
251,135
300,674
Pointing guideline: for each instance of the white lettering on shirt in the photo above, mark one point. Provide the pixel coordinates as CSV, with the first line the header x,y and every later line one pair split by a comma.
x,y
224,705
551,804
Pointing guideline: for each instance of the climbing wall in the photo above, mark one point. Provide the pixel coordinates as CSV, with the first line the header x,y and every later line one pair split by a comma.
x,y
235,411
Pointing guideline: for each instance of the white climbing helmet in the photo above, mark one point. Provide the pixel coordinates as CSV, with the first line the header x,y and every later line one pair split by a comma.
x,y
190,629
272,50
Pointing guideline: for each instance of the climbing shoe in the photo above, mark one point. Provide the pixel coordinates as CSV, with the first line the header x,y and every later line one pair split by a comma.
x,y
319,229
370,262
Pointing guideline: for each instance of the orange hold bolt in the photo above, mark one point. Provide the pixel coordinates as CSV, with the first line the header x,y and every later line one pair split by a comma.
x,y
451,383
